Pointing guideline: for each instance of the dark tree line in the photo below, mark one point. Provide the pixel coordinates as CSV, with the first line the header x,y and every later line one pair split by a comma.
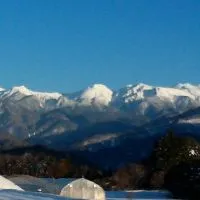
x,y
41,162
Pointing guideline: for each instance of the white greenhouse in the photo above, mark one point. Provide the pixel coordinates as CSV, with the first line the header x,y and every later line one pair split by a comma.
x,y
83,189
6,184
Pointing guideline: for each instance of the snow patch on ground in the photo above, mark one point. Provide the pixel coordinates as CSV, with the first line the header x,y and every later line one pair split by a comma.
x,y
190,121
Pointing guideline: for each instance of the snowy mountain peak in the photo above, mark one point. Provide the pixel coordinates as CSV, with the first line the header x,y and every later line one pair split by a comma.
x,y
26,92
142,86
132,92
31,98
97,94
22,89
2,89
184,85
171,93
143,92
99,86
192,89
129,85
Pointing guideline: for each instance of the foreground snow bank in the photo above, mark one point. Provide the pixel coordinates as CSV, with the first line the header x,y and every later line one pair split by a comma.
x,y
138,194
20,195
7,184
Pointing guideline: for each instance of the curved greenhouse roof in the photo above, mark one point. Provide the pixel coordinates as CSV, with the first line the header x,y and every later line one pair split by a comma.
x,y
83,189
6,184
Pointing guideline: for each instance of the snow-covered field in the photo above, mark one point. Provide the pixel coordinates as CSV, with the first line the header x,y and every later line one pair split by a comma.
x,y
20,195
40,189
143,194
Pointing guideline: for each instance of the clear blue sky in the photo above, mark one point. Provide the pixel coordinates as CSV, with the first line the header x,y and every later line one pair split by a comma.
x,y
66,45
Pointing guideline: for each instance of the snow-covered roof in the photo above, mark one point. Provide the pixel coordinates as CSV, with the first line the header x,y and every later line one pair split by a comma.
x,y
7,184
83,189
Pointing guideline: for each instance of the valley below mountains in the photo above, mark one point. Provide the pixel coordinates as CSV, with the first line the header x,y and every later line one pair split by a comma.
x,y
98,122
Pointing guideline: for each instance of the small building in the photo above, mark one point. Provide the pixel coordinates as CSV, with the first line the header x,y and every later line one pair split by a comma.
x,y
83,189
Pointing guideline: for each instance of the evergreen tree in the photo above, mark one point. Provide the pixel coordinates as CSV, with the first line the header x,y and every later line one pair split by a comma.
x,y
172,150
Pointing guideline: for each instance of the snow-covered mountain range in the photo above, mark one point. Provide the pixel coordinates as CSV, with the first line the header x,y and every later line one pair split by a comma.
x,y
25,113
179,97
